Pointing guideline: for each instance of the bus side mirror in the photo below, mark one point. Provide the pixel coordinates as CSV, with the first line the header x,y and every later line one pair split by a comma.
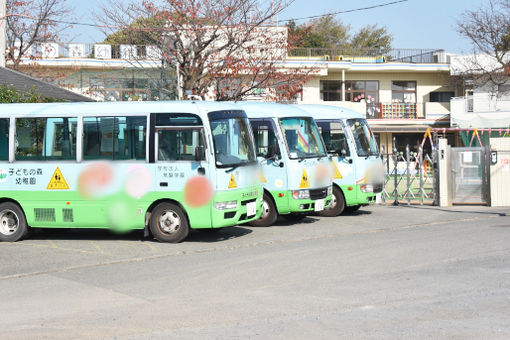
x,y
199,153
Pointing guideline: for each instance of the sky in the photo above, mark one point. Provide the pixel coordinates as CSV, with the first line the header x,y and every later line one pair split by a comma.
x,y
413,24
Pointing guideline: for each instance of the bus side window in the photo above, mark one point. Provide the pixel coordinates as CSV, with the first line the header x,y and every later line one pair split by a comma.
x,y
265,140
174,145
45,138
114,138
4,139
338,140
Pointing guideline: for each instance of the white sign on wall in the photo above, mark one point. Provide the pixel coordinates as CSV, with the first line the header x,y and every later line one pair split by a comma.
x,y
102,51
153,53
128,52
76,50
49,50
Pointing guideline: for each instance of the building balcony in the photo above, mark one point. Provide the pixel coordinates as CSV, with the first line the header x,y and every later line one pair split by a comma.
x,y
399,113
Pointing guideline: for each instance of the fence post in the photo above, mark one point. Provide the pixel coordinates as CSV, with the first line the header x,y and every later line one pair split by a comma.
x,y
420,164
395,162
408,162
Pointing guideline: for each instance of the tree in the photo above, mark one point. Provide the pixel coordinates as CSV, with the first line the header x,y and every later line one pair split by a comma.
x,y
488,29
328,32
30,23
372,38
225,49
9,94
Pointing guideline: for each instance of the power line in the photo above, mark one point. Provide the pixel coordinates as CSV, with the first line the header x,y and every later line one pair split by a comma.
x,y
347,11
76,23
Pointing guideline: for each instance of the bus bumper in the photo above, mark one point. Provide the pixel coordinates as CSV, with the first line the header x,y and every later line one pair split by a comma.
x,y
224,215
354,195
286,203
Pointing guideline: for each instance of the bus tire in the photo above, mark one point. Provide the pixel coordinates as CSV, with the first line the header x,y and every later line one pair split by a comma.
x,y
352,209
337,205
269,214
13,224
168,223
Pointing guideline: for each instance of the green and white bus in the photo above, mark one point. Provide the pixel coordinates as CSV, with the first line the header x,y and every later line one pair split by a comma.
x,y
164,167
295,167
358,172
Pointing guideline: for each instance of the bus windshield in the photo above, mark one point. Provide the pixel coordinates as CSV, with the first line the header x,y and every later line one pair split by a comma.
x,y
233,144
302,137
363,137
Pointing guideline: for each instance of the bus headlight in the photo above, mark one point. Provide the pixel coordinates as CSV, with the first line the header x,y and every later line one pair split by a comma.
x,y
367,188
300,194
330,190
226,205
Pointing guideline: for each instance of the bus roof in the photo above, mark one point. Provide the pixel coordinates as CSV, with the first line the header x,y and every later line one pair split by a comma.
x,y
329,112
271,110
115,108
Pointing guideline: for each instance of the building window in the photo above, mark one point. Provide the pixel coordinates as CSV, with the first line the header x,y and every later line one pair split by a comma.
x,y
403,91
331,90
361,90
441,97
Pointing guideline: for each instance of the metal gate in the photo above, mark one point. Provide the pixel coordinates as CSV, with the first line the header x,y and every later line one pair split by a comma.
x,y
469,175
410,177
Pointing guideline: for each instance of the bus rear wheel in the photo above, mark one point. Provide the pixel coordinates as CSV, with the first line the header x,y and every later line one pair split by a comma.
x,y
269,214
337,205
168,223
13,225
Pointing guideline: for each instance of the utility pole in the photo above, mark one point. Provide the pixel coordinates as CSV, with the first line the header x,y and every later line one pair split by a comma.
x,y
3,34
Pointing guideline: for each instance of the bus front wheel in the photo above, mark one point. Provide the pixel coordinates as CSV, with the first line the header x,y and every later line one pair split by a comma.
x,y
168,223
337,205
269,214
13,225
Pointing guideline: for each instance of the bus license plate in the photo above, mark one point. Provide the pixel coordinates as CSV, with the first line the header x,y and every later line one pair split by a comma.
x,y
251,208
319,205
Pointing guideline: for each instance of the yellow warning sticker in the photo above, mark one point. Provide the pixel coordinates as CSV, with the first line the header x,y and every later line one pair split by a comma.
x,y
304,181
57,181
336,172
232,183
262,178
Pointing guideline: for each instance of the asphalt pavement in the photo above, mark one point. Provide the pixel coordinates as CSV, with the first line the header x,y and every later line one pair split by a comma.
x,y
382,273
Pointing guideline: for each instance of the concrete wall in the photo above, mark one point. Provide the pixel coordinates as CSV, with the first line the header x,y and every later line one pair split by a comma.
x,y
500,173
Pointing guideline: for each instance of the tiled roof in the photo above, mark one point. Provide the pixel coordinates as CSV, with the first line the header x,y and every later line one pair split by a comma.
x,y
24,83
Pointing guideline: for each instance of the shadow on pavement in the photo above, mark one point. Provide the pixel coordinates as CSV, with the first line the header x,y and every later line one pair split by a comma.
x,y
217,235
356,213
55,234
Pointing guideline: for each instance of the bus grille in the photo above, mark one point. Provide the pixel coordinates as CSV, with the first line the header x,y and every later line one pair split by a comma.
x,y
44,214
67,215
316,194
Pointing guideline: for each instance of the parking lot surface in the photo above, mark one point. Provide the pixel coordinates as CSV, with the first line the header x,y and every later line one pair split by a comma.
x,y
383,272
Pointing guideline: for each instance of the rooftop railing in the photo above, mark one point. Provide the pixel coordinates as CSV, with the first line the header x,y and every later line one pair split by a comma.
x,y
418,56
147,52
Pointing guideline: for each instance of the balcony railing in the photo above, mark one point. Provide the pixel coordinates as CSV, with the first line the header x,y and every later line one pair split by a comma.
x,y
418,56
395,111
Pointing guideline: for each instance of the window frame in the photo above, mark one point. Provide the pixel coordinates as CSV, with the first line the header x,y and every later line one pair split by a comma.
x,y
200,128
13,134
364,90
322,91
403,91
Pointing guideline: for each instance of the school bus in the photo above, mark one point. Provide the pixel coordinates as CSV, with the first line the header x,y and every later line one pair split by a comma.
x,y
165,167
